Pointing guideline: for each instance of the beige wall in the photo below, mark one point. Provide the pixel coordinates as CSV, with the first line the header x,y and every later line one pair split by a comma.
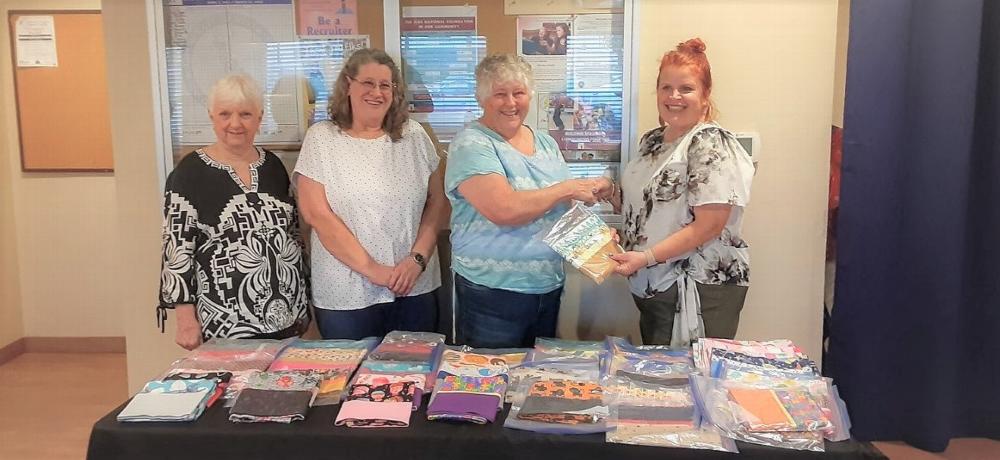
x,y
773,66
62,227
137,187
840,64
11,323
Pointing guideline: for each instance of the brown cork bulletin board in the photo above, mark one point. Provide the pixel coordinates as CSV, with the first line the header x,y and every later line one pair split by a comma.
x,y
62,112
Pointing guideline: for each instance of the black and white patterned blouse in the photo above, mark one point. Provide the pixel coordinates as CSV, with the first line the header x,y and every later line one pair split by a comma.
x,y
233,249
662,185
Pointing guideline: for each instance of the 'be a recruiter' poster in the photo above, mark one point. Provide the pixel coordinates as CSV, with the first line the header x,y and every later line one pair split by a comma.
x,y
326,18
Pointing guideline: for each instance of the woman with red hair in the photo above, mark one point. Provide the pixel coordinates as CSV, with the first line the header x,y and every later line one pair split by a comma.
x,y
682,198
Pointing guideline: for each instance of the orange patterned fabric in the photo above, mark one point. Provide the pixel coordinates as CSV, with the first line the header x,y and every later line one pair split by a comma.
x,y
566,389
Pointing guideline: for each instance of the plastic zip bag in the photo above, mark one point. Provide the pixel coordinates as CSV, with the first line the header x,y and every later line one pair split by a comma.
x,y
578,369
559,406
653,415
585,241
745,413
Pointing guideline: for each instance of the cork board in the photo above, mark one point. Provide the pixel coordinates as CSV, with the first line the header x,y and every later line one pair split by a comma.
x,y
63,119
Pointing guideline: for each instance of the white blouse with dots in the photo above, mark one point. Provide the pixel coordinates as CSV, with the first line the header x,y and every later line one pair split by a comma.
x,y
378,188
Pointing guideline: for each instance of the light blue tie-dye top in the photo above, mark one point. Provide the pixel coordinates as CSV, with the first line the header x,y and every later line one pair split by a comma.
x,y
497,256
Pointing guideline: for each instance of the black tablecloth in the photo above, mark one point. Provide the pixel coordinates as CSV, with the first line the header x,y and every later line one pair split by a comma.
x,y
214,437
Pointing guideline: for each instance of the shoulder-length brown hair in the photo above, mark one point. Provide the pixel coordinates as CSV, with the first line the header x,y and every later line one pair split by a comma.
x,y
340,102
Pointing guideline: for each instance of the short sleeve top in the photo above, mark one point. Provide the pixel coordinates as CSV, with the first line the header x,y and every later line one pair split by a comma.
x,y
662,185
378,188
496,256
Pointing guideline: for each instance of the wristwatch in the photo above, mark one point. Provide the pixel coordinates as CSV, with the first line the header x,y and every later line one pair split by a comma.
x,y
420,260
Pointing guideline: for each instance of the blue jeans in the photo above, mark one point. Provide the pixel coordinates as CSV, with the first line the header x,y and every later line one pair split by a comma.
x,y
415,313
497,318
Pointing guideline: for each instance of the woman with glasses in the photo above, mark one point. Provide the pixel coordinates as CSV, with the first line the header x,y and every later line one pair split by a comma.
x,y
370,185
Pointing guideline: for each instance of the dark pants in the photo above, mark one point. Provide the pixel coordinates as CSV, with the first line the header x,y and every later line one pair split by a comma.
x,y
415,313
497,318
720,310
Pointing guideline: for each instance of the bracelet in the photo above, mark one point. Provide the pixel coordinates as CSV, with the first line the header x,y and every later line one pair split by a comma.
x,y
650,258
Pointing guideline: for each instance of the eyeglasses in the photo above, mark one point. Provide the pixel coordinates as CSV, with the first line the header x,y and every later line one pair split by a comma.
x,y
383,86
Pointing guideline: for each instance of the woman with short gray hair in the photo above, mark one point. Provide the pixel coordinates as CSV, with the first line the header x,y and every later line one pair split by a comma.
x,y
232,253
506,182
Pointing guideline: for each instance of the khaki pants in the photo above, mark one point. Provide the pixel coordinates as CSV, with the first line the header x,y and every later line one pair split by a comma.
x,y
720,309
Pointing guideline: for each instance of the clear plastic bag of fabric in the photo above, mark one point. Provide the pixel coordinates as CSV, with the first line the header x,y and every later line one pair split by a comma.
x,y
820,389
241,357
585,241
705,437
559,406
666,353
647,371
477,362
232,355
654,415
843,433
579,369
551,349
405,353
785,418
407,346
800,365
334,360
778,348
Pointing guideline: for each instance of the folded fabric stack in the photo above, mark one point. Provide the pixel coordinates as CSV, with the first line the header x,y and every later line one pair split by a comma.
x,y
560,406
551,369
554,349
771,349
648,392
405,353
335,360
169,401
381,400
470,386
282,397
241,357
557,359
768,393
221,380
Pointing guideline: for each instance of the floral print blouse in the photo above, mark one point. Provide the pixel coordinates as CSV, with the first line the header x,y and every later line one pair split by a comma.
x,y
662,185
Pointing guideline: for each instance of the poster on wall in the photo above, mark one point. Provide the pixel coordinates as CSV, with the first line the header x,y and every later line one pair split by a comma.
x,y
208,39
578,64
544,42
36,41
326,18
440,48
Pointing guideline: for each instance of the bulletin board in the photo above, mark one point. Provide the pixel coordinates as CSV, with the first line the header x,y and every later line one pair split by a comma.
x,y
63,118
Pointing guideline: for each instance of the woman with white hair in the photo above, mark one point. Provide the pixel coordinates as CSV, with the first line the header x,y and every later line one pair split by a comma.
x,y
232,253
506,182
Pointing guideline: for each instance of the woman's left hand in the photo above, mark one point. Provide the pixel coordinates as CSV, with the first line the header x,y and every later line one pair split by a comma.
x,y
404,276
629,262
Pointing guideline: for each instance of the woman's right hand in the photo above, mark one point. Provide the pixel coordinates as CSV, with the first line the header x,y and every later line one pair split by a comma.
x,y
188,329
379,274
581,190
